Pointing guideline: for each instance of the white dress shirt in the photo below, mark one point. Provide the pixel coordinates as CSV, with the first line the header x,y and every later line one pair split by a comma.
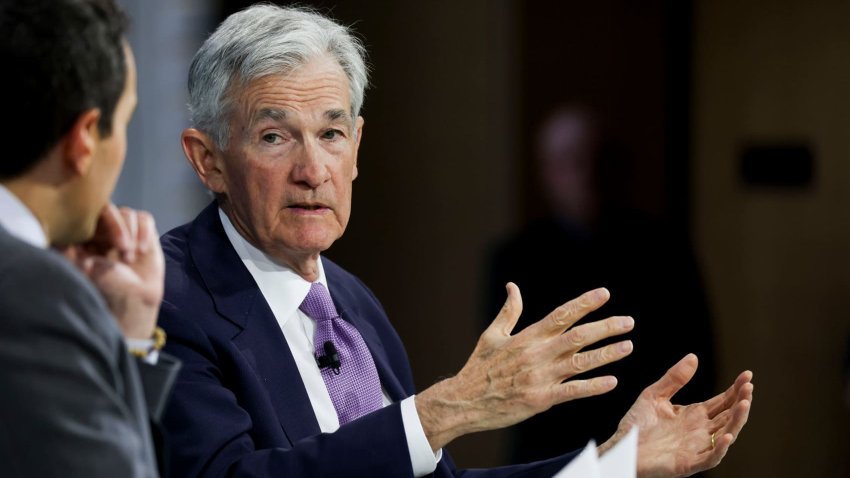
x,y
284,290
19,221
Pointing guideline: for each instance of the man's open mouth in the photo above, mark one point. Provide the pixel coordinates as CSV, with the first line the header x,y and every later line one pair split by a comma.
x,y
309,207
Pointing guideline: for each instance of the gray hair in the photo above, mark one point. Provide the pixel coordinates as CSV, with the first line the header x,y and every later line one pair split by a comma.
x,y
265,40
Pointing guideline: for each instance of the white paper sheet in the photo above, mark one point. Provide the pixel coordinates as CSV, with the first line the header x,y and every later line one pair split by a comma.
x,y
585,465
619,462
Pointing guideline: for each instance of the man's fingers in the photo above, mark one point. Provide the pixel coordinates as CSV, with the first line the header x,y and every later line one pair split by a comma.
x,y
587,334
724,400
147,232
585,361
151,263
505,322
131,221
110,233
674,379
725,436
574,389
97,269
740,415
713,457
744,384
131,224
568,314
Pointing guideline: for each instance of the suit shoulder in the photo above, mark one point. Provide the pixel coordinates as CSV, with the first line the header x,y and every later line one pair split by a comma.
x,y
346,280
179,267
28,272
175,243
44,293
334,269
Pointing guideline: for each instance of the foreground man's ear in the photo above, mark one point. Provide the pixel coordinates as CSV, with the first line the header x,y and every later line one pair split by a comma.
x,y
80,143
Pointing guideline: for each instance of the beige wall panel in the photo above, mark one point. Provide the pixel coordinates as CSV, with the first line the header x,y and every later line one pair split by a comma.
x,y
777,262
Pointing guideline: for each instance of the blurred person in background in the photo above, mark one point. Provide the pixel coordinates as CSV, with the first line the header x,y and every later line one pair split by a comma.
x,y
589,236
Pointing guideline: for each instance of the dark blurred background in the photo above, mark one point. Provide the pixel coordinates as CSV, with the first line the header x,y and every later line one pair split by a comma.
x,y
730,126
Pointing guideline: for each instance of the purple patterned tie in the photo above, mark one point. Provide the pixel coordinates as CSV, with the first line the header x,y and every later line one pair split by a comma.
x,y
352,379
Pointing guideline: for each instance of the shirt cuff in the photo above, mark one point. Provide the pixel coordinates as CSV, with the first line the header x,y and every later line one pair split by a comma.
x,y
151,355
424,460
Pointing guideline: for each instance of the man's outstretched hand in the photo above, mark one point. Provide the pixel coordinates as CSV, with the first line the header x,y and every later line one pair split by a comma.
x,y
510,377
680,440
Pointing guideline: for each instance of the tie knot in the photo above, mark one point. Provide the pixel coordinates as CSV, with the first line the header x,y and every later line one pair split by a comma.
x,y
318,303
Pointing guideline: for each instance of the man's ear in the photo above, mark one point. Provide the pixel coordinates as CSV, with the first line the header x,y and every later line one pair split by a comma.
x,y
80,142
358,131
201,153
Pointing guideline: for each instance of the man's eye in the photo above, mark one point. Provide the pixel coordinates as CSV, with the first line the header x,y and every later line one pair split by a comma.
x,y
331,134
271,138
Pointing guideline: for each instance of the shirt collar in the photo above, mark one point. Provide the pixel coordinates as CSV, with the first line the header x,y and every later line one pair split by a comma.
x,y
19,221
282,287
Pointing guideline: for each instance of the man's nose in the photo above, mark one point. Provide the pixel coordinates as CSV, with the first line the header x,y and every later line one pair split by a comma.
x,y
311,168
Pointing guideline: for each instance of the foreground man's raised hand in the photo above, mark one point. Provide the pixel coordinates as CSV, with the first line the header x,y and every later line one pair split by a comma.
x,y
509,378
680,440
124,261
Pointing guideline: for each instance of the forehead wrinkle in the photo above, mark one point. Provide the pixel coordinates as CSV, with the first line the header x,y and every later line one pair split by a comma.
x,y
278,97
281,101
294,98
301,86
274,114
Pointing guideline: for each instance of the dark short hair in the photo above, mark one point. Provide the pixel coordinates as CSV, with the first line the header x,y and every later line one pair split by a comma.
x,y
60,58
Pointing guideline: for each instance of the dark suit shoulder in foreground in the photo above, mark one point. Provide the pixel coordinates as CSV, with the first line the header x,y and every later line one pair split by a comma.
x,y
72,403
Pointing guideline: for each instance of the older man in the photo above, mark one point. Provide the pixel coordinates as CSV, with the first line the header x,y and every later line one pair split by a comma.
x,y
291,365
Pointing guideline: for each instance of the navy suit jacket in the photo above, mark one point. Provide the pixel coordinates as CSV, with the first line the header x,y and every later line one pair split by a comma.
x,y
239,407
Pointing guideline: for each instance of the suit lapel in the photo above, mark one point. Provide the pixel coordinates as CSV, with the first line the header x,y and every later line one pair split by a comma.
x,y
259,338
348,307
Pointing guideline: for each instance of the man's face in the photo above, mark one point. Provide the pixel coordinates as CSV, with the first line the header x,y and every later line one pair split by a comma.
x,y
99,182
567,152
290,161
